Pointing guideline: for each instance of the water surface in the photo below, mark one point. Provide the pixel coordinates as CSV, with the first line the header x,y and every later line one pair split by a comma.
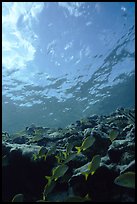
x,y
62,61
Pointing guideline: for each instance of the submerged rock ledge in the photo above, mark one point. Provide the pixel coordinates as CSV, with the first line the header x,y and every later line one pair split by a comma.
x,y
67,165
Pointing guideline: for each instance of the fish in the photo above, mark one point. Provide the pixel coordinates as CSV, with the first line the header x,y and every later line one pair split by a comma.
x,y
93,166
18,198
35,157
69,158
48,188
88,131
113,134
50,151
69,147
86,174
89,141
67,154
42,151
40,154
49,178
126,180
60,157
59,171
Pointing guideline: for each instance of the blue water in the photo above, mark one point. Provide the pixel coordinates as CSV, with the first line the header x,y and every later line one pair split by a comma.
x,y
62,61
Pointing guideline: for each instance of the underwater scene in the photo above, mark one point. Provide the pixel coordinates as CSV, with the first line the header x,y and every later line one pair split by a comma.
x,y
68,102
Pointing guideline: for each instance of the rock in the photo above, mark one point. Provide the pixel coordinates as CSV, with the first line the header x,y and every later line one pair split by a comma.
x,y
20,140
129,167
114,154
78,161
78,184
93,117
100,184
23,174
78,123
25,149
55,135
127,129
30,131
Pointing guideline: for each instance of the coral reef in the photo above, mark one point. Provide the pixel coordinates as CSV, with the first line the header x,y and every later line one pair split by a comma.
x,y
92,160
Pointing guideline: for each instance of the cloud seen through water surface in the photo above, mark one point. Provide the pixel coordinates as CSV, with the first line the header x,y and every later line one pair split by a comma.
x,y
17,18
